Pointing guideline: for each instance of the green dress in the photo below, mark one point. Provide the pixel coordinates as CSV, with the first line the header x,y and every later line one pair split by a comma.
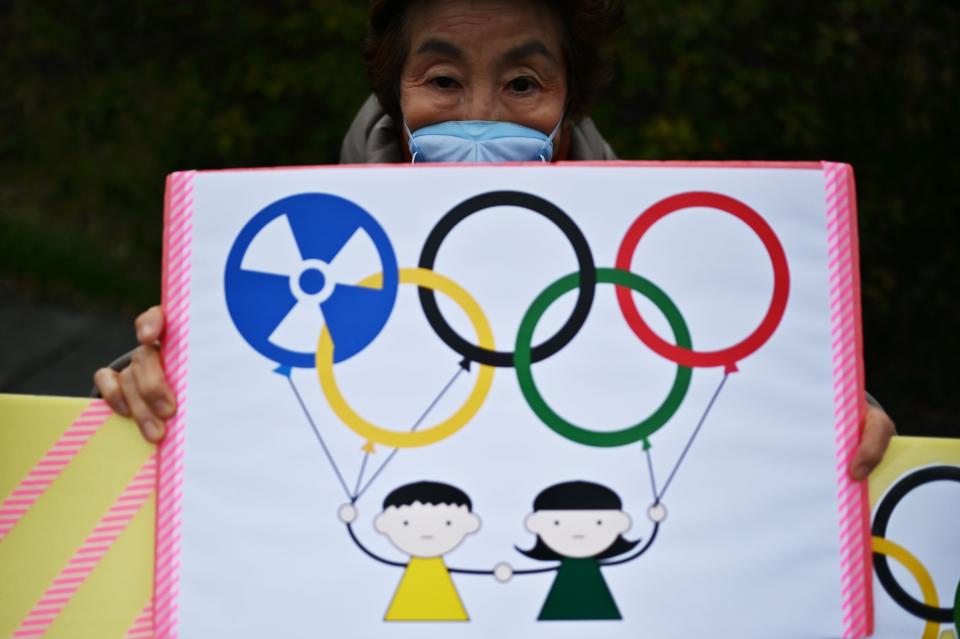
x,y
579,592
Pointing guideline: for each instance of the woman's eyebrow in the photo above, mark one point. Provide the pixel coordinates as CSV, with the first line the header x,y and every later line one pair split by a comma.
x,y
443,47
526,50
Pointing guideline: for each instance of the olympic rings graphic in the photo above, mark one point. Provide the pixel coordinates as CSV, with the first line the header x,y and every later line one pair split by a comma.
x,y
587,275
887,548
727,357
296,233
924,610
325,357
558,424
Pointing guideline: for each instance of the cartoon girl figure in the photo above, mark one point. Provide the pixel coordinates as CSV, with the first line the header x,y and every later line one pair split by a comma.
x,y
581,525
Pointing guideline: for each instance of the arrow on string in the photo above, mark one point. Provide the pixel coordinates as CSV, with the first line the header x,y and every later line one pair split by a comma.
x,y
696,431
286,371
462,366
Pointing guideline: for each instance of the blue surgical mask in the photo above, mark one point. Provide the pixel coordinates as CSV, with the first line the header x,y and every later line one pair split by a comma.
x,y
480,141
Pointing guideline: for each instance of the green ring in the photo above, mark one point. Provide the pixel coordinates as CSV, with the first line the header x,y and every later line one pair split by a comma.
x,y
558,424
956,608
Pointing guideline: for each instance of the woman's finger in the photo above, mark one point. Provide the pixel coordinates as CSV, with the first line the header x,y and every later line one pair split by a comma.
x,y
149,326
108,385
152,382
878,429
150,425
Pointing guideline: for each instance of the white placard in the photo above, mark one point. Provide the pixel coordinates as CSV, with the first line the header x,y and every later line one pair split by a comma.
x,y
738,450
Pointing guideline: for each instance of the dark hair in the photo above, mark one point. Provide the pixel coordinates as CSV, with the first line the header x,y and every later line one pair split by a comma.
x,y
586,25
577,495
427,492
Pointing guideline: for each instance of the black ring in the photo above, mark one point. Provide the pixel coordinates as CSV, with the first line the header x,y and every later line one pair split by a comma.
x,y
880,521
588,275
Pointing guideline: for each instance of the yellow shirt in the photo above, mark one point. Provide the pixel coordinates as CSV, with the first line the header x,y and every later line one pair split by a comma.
x,y
426,593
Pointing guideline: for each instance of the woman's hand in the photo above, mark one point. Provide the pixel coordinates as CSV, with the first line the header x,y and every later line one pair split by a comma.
x,y
878,428
140,390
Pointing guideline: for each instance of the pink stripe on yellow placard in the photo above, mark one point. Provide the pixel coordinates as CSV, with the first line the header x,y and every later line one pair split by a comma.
x,y
51,465
178,229
142,627
90,552
849,406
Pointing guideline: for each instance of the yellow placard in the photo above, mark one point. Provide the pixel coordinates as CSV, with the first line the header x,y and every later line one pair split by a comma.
x,y
904,457
65,479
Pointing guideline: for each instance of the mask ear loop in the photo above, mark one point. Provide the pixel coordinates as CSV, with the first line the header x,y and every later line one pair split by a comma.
x,y
550,137
412,144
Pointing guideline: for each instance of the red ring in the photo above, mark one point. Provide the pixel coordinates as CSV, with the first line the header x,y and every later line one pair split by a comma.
x,y
727,357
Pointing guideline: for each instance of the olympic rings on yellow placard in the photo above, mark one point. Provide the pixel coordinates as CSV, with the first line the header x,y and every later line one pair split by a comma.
x,y
410,439
912,564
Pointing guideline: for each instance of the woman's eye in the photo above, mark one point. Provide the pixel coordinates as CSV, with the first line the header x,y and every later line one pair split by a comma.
x,y
522,84
444,82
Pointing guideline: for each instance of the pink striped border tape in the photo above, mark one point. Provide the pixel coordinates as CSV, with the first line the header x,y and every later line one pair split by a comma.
x,y
90,552
849,406
29,490
178,226
142,627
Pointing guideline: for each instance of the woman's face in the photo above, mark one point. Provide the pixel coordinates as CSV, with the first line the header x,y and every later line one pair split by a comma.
x,y
483,60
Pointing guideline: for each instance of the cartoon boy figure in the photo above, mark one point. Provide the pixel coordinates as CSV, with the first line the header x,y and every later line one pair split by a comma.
x,y
425,520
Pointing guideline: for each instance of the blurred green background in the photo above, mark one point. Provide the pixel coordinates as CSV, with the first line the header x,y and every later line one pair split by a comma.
x,y
99,101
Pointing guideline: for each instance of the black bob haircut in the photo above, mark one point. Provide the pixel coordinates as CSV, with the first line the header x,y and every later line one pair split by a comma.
x,y
577,495
427,492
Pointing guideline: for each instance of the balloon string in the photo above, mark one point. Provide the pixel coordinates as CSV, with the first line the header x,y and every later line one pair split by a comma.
x,y
696,431
363,468
316,432
653,480
461,367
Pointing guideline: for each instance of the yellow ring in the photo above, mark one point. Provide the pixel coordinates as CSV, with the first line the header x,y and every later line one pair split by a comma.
x,y
913,565
407,439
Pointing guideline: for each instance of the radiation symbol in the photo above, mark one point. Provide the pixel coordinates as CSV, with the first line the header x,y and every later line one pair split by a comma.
x,y
293,270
